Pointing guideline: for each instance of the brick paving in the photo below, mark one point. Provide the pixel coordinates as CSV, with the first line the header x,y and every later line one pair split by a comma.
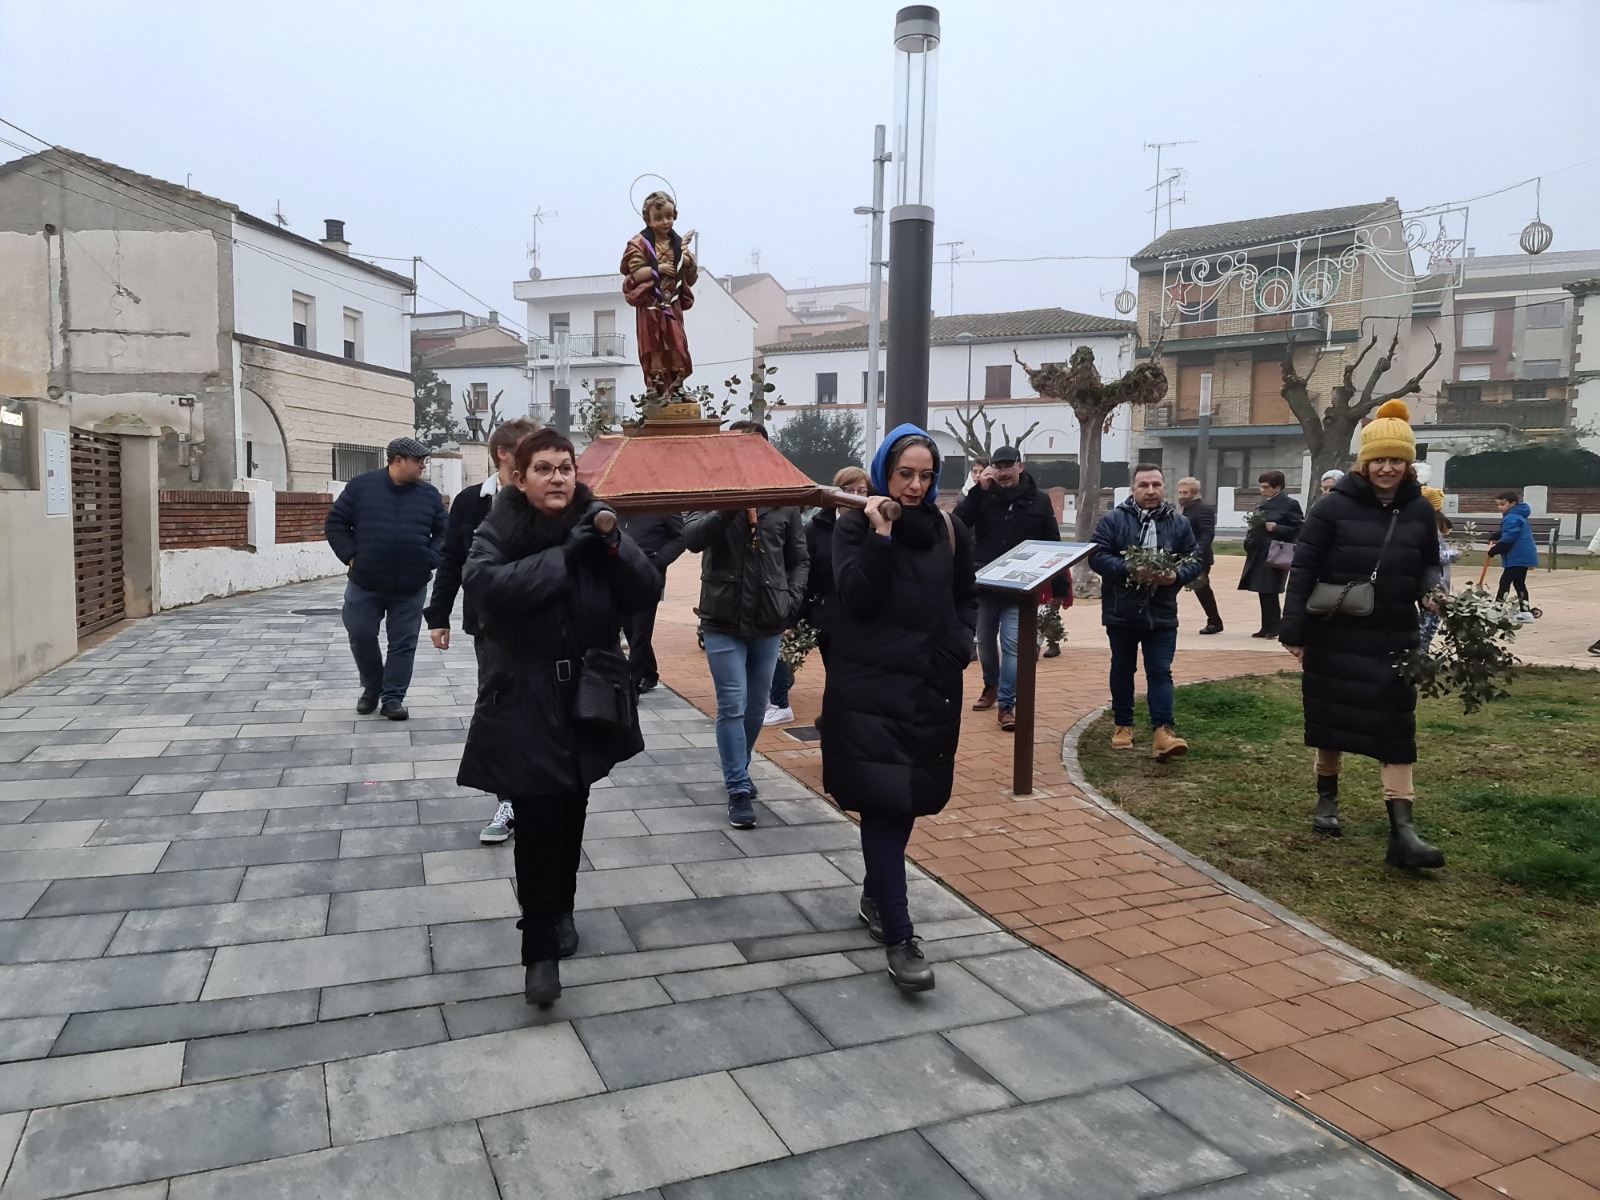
x,y
1457,1101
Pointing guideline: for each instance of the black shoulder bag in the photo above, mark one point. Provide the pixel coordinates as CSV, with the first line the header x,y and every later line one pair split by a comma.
x,y
1358,598
605,696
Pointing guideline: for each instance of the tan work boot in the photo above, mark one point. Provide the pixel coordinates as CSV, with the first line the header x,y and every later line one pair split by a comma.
x,y
1122,739
986,700
1167,744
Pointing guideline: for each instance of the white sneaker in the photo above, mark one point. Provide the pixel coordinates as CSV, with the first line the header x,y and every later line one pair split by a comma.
x,y
499,829
778,716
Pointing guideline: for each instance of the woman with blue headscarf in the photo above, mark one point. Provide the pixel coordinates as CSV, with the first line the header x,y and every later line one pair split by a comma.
x,y
907,606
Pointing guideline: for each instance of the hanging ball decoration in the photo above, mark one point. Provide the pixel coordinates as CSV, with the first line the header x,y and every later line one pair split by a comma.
x,y
1536,238
1125,301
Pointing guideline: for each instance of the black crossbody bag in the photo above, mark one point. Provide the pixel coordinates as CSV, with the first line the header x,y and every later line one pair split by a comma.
x,y
605,698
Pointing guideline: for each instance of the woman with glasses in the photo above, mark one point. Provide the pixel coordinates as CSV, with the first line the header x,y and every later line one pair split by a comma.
x,y
902,636
547,586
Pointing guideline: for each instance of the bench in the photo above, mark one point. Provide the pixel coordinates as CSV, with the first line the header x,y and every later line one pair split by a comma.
x,y
1486,530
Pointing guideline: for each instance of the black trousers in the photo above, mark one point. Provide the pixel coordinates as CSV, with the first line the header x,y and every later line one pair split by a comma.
x,y
883,848
1271,611
546,853
640,628
1208,601
1513,577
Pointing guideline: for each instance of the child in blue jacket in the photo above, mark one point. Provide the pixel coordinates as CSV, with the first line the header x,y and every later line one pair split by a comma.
x,y
1515,546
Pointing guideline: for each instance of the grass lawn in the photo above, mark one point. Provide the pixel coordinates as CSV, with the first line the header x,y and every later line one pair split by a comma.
x,y
1511,794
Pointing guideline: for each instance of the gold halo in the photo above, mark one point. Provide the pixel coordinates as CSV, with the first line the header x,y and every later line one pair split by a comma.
x,y
632,187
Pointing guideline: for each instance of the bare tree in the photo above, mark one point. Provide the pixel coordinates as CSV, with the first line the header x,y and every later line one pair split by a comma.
x,y
1329,431
976,444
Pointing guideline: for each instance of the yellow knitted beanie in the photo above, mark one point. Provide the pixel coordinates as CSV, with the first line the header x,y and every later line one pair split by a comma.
x,y
1434,497
1389,434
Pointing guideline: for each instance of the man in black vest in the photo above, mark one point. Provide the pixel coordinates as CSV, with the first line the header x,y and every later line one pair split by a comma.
x,y
387,526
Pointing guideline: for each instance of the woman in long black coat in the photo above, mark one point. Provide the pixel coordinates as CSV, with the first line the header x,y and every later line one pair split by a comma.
x,y
903,636
1355,699
1280,521
547,586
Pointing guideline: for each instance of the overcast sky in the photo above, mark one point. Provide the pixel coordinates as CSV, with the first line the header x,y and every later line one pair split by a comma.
x,y
438,128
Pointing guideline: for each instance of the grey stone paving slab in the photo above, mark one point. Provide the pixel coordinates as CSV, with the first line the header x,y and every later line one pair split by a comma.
x,y
419,1088
1076,1049
640,798
249,799
391,908
259,1051
119,893
608,855
251,851
42,1082
463,866
695,1038
316,962
691,818
447,987
454,810
1349,1175
627,1141
795,839
807,810
1113,1143
630,886
803,945
233,923
648,775
749,977
774,873
957,949
51,939
189,765
721,919
28,1037
353,773
500,1013
48,788
1237,1116
331,875
84,863
10,1133
86,984
12,811
175,1132
201,781
466,945
870,1008
99,808
118,1027
408,839
16,899
601,968
1032,981
48,835
341,816
446,1162
124,830
894,1167
412,789
850,1095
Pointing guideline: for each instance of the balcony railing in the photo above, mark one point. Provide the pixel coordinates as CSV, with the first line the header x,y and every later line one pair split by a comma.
x,y
1519,414
580,345
1306,322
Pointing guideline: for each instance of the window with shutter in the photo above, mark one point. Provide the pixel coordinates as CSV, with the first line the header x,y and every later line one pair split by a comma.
x,y
1477,328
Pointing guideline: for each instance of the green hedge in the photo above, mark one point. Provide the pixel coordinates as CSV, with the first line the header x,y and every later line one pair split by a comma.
x,y
1527,465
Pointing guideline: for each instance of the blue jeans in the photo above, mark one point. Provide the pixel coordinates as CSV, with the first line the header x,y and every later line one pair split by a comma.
x,y
1159,646
741,669
782,681
998,617
402,614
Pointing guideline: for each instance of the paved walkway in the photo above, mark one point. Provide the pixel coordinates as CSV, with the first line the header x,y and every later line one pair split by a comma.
x,y
252,948
1468,1105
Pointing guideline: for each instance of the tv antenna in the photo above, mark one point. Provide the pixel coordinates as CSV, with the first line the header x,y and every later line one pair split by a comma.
x,y
277,214
955,256
1167,182
755,260
539,214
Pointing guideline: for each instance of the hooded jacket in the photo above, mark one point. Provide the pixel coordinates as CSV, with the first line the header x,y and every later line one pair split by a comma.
x,y
1515,541
1001,518
901,638
1123,602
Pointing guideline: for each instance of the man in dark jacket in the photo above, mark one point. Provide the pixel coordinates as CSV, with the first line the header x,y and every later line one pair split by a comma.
x,y
1004,509
388,527
1139,607
752,588
1202,518
467,512
660,536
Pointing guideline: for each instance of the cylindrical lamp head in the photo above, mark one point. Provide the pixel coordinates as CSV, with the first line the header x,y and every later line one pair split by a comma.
x,y
916,93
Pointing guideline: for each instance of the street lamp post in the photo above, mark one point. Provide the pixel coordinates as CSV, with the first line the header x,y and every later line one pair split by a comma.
x,y
916,43
967,339
875,277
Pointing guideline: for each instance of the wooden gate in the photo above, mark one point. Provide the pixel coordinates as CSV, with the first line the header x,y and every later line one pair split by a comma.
x,y
97,529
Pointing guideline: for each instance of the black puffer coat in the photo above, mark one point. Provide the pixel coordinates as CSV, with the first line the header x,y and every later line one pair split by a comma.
x,y
1001,518
751,585
1259,575
907,610
390,534
822,596
540,605
1354,698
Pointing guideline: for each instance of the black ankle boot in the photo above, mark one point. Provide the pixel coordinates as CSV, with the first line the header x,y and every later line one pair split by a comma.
x,y
1326,817
541,984
1406,849
868,912
908,968
566,936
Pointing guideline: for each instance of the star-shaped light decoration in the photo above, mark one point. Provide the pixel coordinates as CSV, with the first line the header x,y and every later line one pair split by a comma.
x,y
1441,251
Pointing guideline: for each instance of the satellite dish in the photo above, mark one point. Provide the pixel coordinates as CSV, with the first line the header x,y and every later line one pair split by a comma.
x,y
534,273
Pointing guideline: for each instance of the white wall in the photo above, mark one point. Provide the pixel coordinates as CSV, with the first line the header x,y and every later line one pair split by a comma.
x,y
513,381
268,270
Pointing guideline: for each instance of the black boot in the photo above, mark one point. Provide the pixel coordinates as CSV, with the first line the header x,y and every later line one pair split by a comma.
x,y
868,912
541,984
1406,849
908,968
1326,817
566,936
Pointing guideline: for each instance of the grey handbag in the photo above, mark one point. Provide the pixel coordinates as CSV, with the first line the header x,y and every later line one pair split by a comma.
x,y
1359,597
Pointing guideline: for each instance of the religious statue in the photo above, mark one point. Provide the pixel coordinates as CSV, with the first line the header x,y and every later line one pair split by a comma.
x,y
658,275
